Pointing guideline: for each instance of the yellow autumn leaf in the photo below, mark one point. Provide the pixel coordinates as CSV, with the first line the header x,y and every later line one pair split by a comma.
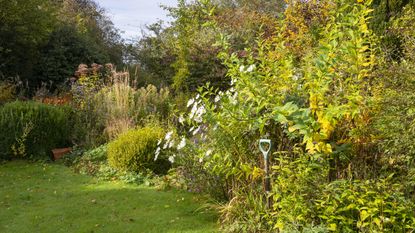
x,y
332,227
257,173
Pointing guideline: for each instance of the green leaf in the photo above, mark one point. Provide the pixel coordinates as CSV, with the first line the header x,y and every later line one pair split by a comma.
x,y
294,128
332,227
281,119
377,221
364,215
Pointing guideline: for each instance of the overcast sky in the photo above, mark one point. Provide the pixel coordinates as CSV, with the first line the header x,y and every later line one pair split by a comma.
x,y
131,15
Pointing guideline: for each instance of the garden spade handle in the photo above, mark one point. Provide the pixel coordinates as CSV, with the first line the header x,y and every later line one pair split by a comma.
x,y
265,152
262,143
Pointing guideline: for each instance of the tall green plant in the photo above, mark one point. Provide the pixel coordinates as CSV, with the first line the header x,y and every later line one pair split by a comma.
x,y
31,130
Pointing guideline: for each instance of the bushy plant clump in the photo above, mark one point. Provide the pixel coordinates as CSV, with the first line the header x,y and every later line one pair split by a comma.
x,y
88,162
366,206
134,151
32,130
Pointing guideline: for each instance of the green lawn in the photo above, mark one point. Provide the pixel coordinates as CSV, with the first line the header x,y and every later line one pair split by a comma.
x,y
51,198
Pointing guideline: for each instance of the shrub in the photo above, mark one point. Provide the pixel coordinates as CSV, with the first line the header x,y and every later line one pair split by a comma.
x,y
134,151
366,206
89,124
98,154
32,130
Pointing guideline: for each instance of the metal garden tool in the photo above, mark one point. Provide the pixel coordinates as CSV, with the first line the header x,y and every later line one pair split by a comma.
x,y
265,148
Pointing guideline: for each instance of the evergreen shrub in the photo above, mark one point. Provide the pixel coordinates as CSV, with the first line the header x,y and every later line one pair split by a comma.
x,y
134,151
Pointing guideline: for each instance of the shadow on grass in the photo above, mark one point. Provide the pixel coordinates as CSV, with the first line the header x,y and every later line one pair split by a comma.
x,y
50,198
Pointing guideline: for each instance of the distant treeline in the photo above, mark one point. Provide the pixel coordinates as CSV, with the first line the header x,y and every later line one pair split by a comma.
x,y
43,41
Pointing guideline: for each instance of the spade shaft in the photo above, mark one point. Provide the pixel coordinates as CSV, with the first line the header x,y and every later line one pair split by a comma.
x,y
265,148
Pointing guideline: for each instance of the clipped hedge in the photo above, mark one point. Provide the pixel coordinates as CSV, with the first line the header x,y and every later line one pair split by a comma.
x,y
31,130
134,151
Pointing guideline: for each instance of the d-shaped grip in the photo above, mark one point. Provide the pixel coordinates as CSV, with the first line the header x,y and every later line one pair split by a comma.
x,y
263,149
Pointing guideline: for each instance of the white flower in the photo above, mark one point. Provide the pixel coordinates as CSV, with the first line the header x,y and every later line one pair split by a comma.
x,y
220,93
209,152
157,153
159,142
197,96
165,145
200,160
181,119
190,102
182,144
199,113
171,144
198,119
168,135
251,68
232,99
193,111
196,130
242,68
233,81
217,98
171,159
191,129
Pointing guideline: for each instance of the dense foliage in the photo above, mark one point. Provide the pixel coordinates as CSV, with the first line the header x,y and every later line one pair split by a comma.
x,y
134,150
317,88
32,130
44,41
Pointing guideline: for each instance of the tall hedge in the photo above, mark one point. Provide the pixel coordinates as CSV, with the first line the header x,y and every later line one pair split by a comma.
x,y
31,130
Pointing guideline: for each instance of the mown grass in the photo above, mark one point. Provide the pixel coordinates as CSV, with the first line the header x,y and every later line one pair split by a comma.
x,y
51,198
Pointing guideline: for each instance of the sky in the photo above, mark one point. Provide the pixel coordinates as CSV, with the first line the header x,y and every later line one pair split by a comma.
x,y
130,16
